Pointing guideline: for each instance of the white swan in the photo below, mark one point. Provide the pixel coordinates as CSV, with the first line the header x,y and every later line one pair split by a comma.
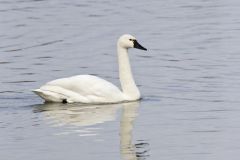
x,y
94,90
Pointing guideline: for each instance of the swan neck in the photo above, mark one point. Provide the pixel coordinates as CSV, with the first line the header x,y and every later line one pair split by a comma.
x,y
128,85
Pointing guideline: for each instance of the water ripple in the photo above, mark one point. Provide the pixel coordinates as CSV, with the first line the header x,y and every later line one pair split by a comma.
x,y
38,45
26,81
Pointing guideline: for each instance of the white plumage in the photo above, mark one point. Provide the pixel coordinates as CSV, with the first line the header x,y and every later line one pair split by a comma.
x,y
94,90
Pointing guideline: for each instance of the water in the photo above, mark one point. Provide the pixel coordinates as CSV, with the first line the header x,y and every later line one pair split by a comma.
x,y
189,79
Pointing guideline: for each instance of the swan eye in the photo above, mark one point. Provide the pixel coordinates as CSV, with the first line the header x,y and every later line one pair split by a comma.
x,y
131,40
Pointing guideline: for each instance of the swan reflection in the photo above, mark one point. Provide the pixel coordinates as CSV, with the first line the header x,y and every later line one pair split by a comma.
x,y
83,118
130,151
77,114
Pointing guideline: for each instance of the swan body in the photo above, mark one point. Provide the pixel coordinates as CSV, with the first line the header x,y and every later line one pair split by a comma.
x,y
94,90
81,88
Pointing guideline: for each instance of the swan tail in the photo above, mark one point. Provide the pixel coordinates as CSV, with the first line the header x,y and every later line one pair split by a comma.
x,y
50,96
52,93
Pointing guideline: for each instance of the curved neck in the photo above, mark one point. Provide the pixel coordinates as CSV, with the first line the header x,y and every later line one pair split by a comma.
x,y
129,87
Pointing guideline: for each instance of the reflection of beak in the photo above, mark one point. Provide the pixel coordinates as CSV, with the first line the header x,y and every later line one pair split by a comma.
x,y
137,45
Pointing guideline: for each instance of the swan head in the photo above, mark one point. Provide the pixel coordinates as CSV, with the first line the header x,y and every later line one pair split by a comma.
x,y
128,41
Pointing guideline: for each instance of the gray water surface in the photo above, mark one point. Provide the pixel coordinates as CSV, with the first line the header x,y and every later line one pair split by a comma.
x,y
189,79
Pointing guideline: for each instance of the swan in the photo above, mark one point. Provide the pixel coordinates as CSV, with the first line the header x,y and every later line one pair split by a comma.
x,y
90,89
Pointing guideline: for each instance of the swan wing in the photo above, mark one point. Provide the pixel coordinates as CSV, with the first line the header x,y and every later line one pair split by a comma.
x,y
83,88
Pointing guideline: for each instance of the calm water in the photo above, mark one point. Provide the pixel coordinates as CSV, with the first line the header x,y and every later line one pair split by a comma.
x,y
189,79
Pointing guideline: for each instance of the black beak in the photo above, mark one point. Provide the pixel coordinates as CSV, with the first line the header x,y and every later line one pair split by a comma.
x,y
137,45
